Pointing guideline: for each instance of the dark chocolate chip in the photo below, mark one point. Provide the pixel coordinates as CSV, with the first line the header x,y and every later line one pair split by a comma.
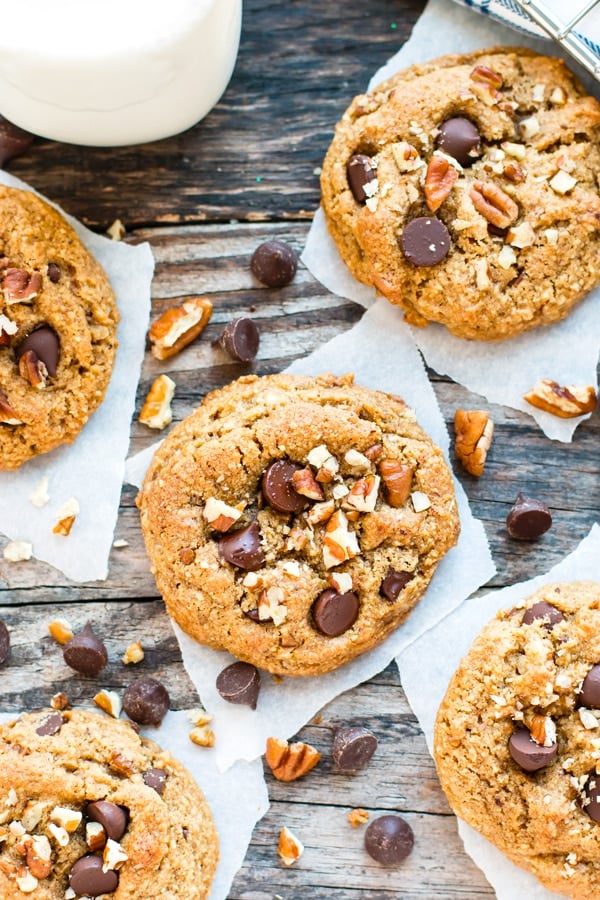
x,y
529,518
254,615
85,652
527,754
278,488
51,725
239,683
542,611
243,548
360,171
274,263
44,342
591,802
54,272
335,613
394,583
589,694
389,840
146,701
240,339
13,140
460,139
4,642
111,816
156,779
425,241
353,748
87,878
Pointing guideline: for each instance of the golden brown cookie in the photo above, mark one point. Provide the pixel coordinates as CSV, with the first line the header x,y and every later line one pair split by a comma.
x,y
81,793
58,329
465,190
296,521
517,736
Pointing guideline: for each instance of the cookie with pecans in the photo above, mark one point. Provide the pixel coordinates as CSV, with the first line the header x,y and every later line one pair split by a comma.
x,y
58,329
295,521
90,808
517,736
465,190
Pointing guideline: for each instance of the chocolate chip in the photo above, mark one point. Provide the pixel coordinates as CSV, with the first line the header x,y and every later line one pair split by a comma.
x,y
389,840
528,519
13,140
54,272
274,263
240,339
360,171
460,139
255,616
353,748
156,779
591,803
529,755
44,342
589,694
278,487
87,878
51,725
335,613
394,583
4,642
239,683
542,611
85,652
243,548
425,241
146,701
111,816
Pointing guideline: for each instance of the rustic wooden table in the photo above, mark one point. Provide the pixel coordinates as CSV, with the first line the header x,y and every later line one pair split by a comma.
x,y
204,200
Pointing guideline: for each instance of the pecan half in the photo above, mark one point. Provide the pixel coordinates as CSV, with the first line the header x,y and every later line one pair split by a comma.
x,y
178,326
397,480
474,430
566,401
20,286
290,761
439,181
494,204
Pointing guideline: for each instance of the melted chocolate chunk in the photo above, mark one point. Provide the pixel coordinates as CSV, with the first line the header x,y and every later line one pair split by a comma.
x,y
360,171
394,583
389,840
591,803
353,748
528,519
44,342
111,816
460,139
85,652
278,487
4,642
529,755
240,339
335,613
239,683
146,701
243,548
542,611
274,263
156,779
87,878
54,273
589,694
51,725
425,241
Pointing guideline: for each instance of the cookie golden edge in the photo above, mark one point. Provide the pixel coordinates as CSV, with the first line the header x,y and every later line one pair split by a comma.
x,y
536,819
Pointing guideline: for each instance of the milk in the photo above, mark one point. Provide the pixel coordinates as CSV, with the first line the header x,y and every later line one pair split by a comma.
x,y
114,72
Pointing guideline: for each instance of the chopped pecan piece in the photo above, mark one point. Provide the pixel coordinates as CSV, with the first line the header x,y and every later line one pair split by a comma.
x,y
220,515
339,543
33,369
39,855
7,414
290,761
487,76
439,181
179,326
397,479
474,430
289,848
362,496
8,329
494,204
156,411
566,401
358,816
20,286
306,484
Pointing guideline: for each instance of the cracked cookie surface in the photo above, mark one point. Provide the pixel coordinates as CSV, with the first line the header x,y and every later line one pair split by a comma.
x,y
517,736
296,521
62,772
465,190
58,329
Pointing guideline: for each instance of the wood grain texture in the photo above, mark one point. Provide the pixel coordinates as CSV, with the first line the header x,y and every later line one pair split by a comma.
x,y
204,200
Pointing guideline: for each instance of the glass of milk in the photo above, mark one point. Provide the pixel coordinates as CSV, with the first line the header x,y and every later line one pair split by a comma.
x,y
115,72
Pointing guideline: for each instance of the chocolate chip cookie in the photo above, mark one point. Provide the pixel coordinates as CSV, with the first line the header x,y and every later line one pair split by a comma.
x,y
465,190
517,736
89,808
58,329
296,521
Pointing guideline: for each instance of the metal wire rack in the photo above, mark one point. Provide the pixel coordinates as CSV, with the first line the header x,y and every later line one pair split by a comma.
x,y
586,52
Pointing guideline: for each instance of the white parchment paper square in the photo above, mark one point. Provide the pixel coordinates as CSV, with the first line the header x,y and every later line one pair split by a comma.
x,y
382,355
566,352
91,469
438,652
